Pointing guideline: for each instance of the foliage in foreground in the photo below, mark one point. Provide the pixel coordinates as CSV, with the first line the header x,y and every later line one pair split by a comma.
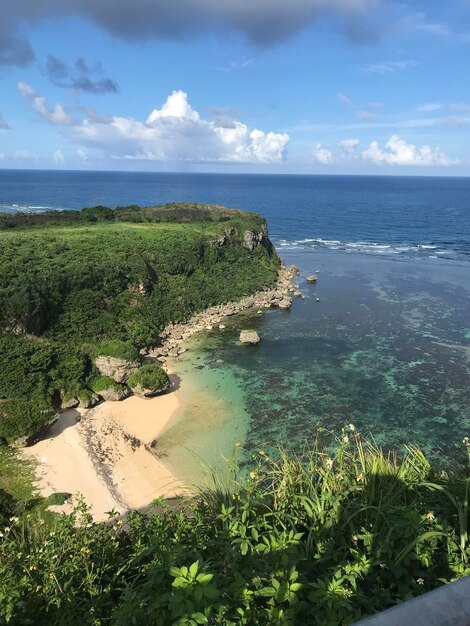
x,y
309,539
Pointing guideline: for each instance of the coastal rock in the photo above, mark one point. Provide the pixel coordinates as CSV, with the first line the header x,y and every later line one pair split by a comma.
x,y
117,369
112,394
71,403
89,401
140,392
285,304
251,239
312,278
250,337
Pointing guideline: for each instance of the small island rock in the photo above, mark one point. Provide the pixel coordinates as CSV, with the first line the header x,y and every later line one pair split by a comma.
x,y
312,278
250,337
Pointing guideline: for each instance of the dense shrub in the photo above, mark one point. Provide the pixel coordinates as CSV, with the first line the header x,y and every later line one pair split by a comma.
x,y
150,377
105,382
319,538
118,349
21,417
77,284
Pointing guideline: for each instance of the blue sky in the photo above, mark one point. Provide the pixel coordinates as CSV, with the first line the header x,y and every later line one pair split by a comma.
x,y
309,86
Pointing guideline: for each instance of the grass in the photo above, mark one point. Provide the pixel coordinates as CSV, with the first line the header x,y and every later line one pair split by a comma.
x,y
317,537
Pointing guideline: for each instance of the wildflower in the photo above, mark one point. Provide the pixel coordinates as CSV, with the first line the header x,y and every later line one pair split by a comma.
x,y
360,478
262,453
32,568
329,463
345,439
237,444
13,519
430,515
85,550
1,534
466,442
420,581
253,475
7,529
51,575
351,427
249,489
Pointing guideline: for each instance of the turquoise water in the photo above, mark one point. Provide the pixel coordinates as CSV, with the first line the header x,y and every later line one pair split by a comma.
x,y
387,348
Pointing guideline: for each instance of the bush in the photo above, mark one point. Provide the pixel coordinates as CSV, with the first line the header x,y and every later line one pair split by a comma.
x,y
20,417
150,377
105,382
320,538
118,349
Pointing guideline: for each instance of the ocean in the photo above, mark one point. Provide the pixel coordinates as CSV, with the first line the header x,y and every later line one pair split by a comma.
x,y
387,347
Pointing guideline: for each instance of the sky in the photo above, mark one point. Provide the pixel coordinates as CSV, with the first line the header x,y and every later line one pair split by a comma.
x,y
257,86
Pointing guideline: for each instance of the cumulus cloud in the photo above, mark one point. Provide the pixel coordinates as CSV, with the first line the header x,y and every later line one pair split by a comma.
x,y
263,22
58,156
79,78
3,124
348,145
322,155
398,152
25,155
176,131
55,115
82,154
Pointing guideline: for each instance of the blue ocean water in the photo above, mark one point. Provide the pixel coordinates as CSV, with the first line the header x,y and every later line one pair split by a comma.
x,y
411,216
387,347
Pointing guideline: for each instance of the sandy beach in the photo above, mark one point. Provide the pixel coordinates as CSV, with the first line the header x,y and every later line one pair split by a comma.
x,y
104,454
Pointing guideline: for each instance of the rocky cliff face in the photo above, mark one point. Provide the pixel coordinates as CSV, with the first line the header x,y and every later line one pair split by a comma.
x,y
250,238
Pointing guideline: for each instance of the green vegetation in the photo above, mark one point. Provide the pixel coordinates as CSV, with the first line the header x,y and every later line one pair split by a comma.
x,y
75,284
105,382
150,377
320,538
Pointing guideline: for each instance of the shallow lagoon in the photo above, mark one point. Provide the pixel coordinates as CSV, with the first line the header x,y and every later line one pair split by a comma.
x,y
387,348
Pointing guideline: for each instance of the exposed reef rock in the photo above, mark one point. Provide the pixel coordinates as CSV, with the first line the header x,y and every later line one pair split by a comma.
x,y
117,369
312,278
250,337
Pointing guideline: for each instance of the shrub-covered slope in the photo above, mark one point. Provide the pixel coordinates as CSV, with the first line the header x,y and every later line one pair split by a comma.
x,y
71,280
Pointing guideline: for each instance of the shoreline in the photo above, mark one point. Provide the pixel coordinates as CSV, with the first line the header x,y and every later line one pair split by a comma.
x,y
104,454
280,295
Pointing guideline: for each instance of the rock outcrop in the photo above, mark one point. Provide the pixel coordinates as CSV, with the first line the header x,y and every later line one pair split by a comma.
x,y
117,369
312,278
250,337
141,392
115,394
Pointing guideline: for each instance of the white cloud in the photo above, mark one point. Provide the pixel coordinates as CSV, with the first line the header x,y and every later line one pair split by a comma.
x,y
461,107
344,99
82,154
349,144
398,152
366,116
429,107
25,155
177,132
322,155
58,156
388,67
55,115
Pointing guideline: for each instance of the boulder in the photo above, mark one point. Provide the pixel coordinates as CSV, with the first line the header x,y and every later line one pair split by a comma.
x,y
117,369
89,401
71,403
285,304
114,394
250,337
312,278
140,392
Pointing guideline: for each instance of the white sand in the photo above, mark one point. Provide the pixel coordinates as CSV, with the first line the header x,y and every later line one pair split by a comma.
x,y
105,456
